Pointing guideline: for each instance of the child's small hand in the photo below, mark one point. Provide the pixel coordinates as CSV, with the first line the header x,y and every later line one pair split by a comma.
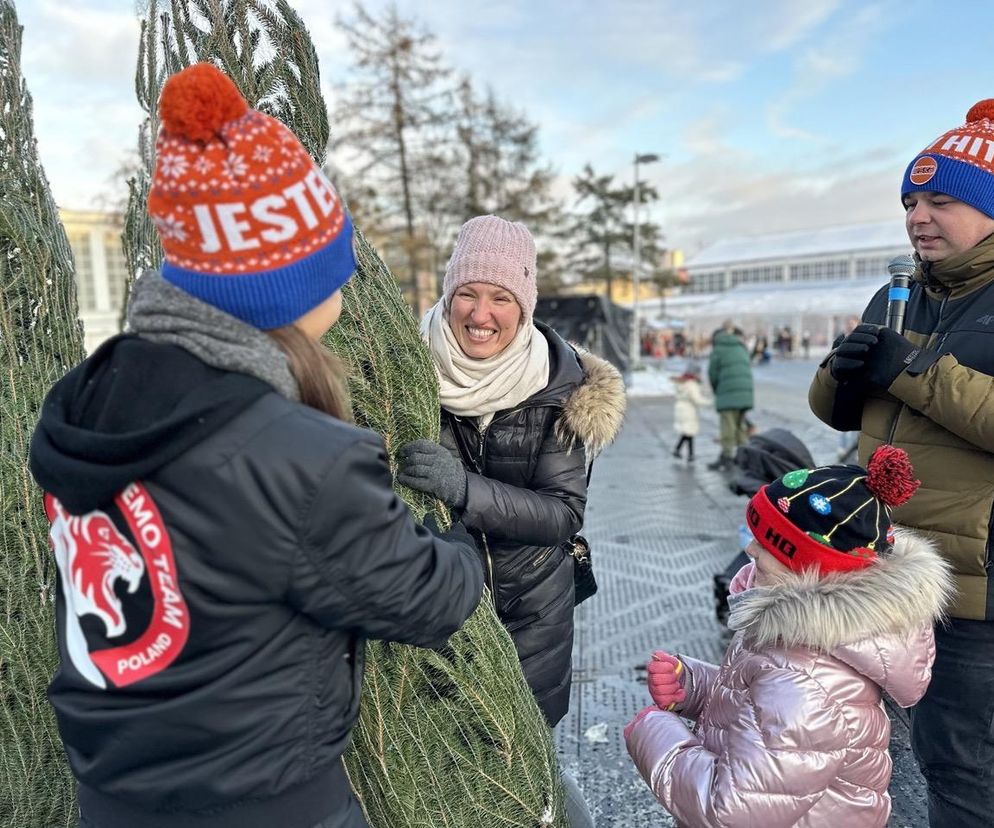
x,y
645,711
666,676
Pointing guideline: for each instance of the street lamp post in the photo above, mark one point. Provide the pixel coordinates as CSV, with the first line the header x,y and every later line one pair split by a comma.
x,y
646,158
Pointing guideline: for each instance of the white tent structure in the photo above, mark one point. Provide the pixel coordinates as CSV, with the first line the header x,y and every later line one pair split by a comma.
x,y
821,308
813,281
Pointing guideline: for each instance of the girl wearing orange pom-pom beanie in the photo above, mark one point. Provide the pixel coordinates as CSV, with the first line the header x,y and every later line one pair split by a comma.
x,y
225,538
836,608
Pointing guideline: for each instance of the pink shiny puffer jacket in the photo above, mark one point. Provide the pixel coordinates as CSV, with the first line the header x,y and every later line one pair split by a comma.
x,y
791,729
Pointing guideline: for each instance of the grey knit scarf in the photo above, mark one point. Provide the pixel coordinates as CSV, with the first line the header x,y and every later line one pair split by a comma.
x,y
161,312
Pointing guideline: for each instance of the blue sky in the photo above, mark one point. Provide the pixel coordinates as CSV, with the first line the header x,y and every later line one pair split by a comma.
x,y
773,115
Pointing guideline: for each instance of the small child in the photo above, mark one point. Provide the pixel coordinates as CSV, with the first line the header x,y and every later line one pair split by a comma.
x,y
835,608
689,398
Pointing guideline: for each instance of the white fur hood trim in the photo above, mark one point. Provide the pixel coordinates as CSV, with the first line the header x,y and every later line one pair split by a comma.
x,y
897,593
595,411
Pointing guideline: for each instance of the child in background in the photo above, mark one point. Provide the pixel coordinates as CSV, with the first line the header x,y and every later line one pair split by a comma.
x,y
689,397
835,608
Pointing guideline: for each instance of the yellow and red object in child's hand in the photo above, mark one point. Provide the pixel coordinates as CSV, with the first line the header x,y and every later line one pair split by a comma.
x,y
665,679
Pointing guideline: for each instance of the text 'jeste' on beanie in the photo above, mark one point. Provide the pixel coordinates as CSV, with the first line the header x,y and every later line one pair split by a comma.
x,y
247,220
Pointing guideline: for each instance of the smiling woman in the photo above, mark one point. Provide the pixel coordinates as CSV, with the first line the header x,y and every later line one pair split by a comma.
x,y
522,413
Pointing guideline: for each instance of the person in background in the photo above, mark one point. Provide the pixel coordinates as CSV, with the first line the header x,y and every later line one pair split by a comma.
x,y
930,391
688,399
730,374
523,415
761,350
225,538
835,609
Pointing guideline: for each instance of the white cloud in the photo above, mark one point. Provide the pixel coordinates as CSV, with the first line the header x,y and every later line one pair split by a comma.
x,y
791,21
837,54
81,45
734,193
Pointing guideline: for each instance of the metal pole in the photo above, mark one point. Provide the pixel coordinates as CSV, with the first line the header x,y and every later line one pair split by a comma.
x,y
636,266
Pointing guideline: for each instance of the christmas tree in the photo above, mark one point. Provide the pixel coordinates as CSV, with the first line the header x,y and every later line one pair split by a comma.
x,y
446,738
40,339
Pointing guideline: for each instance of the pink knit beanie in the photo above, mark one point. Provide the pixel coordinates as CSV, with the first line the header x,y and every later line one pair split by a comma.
x,y
499,252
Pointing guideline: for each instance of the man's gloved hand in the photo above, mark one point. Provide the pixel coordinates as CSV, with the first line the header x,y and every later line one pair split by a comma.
x,y
457,532
871,353
428,467
666,677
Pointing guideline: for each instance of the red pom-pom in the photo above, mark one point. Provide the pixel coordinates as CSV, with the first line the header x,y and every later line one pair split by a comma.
x,y
198,101
980,110
889,476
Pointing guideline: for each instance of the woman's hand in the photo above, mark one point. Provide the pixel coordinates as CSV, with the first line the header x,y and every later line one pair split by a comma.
x,y
666,676
428,467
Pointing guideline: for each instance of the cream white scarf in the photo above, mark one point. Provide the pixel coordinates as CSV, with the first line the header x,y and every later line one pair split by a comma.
x,y
480,387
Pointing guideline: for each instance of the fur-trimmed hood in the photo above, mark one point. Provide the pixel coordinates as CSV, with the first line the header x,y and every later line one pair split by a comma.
x,y
898,593
594,412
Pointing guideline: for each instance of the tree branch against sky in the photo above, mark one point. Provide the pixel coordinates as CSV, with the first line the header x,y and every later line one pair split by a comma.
x,y
391,109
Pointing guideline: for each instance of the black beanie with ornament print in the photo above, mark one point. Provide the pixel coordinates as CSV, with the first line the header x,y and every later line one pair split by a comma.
x,y
832,518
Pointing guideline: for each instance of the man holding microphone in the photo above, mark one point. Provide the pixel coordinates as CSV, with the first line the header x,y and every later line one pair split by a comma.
x,y
929,389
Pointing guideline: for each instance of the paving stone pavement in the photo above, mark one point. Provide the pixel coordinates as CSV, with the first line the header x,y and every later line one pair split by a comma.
x,y
660,529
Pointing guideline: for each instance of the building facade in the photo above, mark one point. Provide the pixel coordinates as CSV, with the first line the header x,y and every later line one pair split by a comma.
x,y
852,251
801,287
101,271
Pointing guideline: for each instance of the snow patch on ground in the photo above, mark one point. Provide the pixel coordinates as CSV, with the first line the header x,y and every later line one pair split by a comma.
x,y
649,382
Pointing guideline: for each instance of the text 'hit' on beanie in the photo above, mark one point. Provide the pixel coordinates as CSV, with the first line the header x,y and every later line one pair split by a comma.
x,y
248,222
960,162
498,252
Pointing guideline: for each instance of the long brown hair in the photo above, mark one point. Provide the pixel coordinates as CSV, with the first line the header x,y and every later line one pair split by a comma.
x,y
319,373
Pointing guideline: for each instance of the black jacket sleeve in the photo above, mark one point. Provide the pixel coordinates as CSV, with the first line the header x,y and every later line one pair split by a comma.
x,y
547,513
365,565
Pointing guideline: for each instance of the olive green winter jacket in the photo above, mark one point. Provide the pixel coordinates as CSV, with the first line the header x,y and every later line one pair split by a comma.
x,y
730,372
941,411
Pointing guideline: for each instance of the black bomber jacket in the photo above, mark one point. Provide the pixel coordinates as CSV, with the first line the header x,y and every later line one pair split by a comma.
x,y
223,553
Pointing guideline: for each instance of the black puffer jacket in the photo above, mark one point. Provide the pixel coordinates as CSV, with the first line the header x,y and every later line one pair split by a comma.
x,y
228,551
525,496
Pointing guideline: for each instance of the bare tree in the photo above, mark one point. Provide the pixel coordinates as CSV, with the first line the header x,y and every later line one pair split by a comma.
x,y
503,170
391,117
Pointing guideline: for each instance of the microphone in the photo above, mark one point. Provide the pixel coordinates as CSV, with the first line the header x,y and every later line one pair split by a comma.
x,y
901,269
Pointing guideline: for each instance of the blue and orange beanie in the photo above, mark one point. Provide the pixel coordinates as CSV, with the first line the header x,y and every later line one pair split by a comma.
x,y
959,163
833,518
248,222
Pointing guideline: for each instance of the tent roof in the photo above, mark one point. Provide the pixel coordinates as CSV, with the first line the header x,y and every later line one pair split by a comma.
x,y
835,297
887,236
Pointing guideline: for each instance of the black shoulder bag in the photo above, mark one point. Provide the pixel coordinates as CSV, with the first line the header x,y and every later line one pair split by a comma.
x,y
578,547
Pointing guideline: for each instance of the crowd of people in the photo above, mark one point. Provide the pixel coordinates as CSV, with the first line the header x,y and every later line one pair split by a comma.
x,y
206,460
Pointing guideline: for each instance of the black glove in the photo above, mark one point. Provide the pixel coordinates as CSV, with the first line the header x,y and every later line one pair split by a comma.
x,y
872,354
428,467
457,532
